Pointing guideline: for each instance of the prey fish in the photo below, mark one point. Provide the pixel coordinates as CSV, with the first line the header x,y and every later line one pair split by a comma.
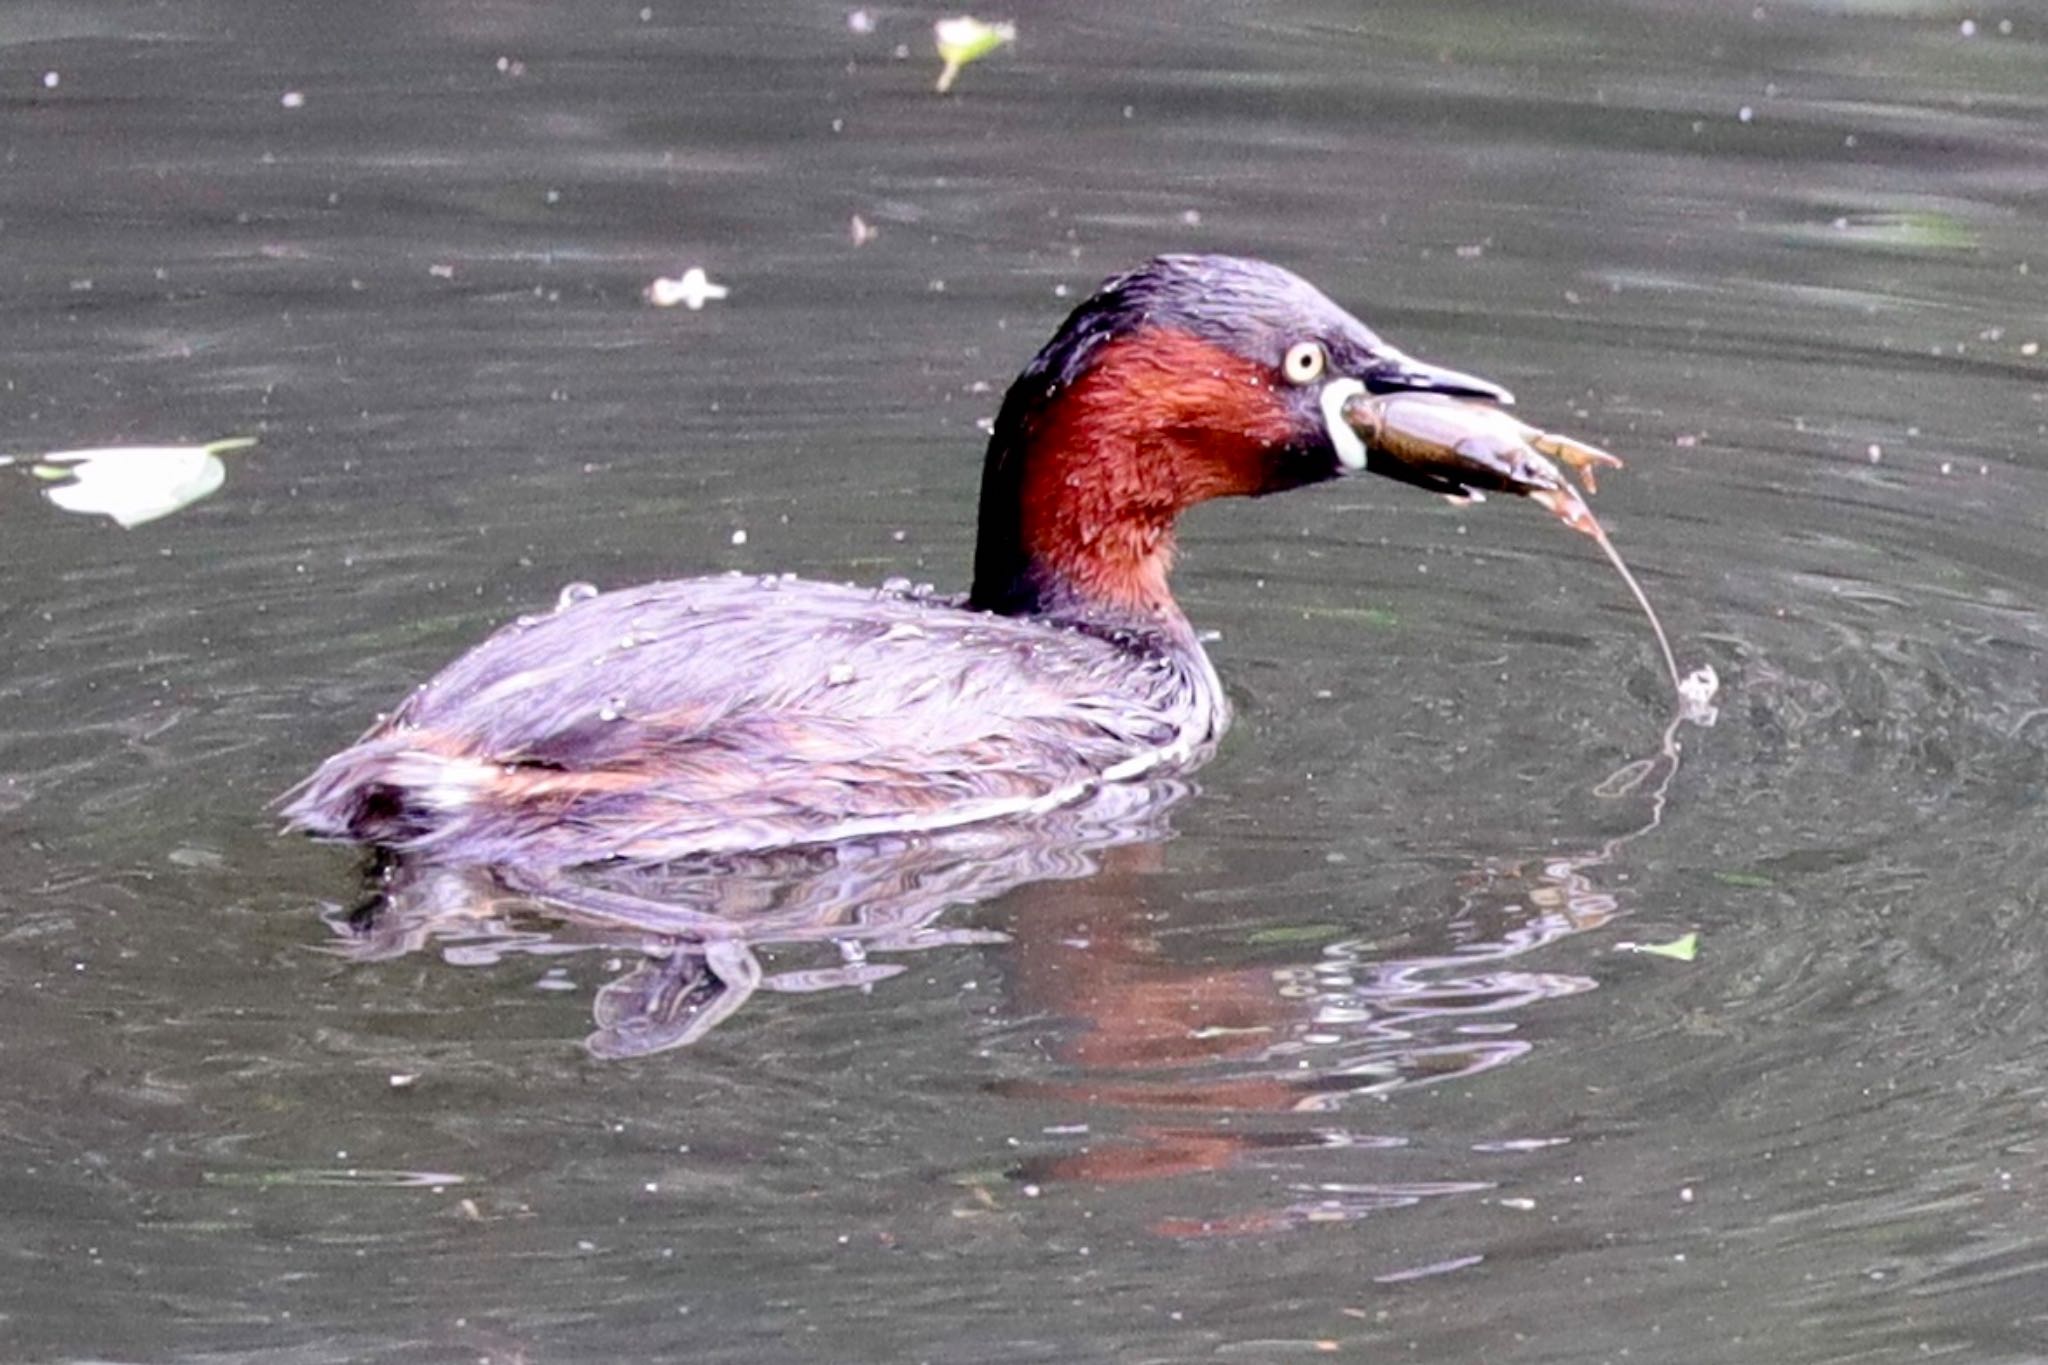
x,y
1465,448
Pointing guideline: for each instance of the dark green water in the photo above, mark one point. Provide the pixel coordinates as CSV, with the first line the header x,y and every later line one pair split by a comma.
x,y
1355,1062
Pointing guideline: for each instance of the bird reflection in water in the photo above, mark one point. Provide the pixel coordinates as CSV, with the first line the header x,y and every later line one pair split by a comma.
x,y
1206,1066
696,931
1199,1053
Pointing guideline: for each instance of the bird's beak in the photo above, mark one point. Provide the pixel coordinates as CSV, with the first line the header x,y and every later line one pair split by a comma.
x,y
1393,372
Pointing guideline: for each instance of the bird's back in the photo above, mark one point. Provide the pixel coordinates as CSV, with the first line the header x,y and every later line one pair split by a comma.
x,y
723,714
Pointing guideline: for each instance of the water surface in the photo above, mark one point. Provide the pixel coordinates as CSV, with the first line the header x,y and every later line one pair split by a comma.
x,y
1346,1052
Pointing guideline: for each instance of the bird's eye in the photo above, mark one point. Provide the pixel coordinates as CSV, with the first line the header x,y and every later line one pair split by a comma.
x,y
1305,362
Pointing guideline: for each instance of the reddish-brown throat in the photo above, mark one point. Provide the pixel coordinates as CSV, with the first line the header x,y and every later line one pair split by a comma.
x,y
1083,488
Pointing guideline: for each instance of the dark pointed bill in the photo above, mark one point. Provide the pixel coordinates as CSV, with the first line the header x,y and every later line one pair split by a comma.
x,y
1394,372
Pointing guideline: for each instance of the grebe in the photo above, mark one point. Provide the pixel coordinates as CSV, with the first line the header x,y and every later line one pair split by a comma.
x,y
723,715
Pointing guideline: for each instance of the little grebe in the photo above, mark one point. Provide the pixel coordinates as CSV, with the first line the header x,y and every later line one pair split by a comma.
x,y
719,715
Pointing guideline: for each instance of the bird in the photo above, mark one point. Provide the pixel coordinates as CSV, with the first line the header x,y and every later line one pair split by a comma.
x,y
745,713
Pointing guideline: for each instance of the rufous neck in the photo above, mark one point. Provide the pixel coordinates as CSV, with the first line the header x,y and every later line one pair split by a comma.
x,y
1090,465
1069,528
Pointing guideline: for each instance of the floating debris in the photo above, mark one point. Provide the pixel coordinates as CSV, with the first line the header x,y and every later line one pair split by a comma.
x,y
1696,693
135,484
862,231
693,290
964,39
1684,948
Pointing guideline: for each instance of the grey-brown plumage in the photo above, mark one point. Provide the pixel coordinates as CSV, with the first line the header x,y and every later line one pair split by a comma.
x,y
722,714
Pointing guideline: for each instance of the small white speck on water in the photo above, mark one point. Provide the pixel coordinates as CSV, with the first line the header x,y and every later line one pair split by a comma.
x,y
693,290
1875,452
51,80
404,1080
1685,1195
860,21
838,675
739,537
1191,217
1746,114
1968,28
293,99
1948,467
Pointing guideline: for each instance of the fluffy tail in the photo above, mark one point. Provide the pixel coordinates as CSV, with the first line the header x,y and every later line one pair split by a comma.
x,y
385,791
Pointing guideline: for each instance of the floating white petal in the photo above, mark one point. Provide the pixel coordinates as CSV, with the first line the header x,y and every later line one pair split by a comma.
x,y
693,290
135,484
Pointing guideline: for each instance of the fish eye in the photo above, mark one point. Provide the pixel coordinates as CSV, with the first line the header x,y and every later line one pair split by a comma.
x,y
1305,362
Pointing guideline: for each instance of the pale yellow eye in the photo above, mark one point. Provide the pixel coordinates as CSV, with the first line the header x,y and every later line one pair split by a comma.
x,y
1305,362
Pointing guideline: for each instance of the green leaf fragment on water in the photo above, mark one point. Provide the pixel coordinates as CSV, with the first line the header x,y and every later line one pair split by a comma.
x,y
963,39
1904,230
1754,881
1684,948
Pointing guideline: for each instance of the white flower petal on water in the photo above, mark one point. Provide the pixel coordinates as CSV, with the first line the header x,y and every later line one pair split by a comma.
x,y
135,484
693,290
